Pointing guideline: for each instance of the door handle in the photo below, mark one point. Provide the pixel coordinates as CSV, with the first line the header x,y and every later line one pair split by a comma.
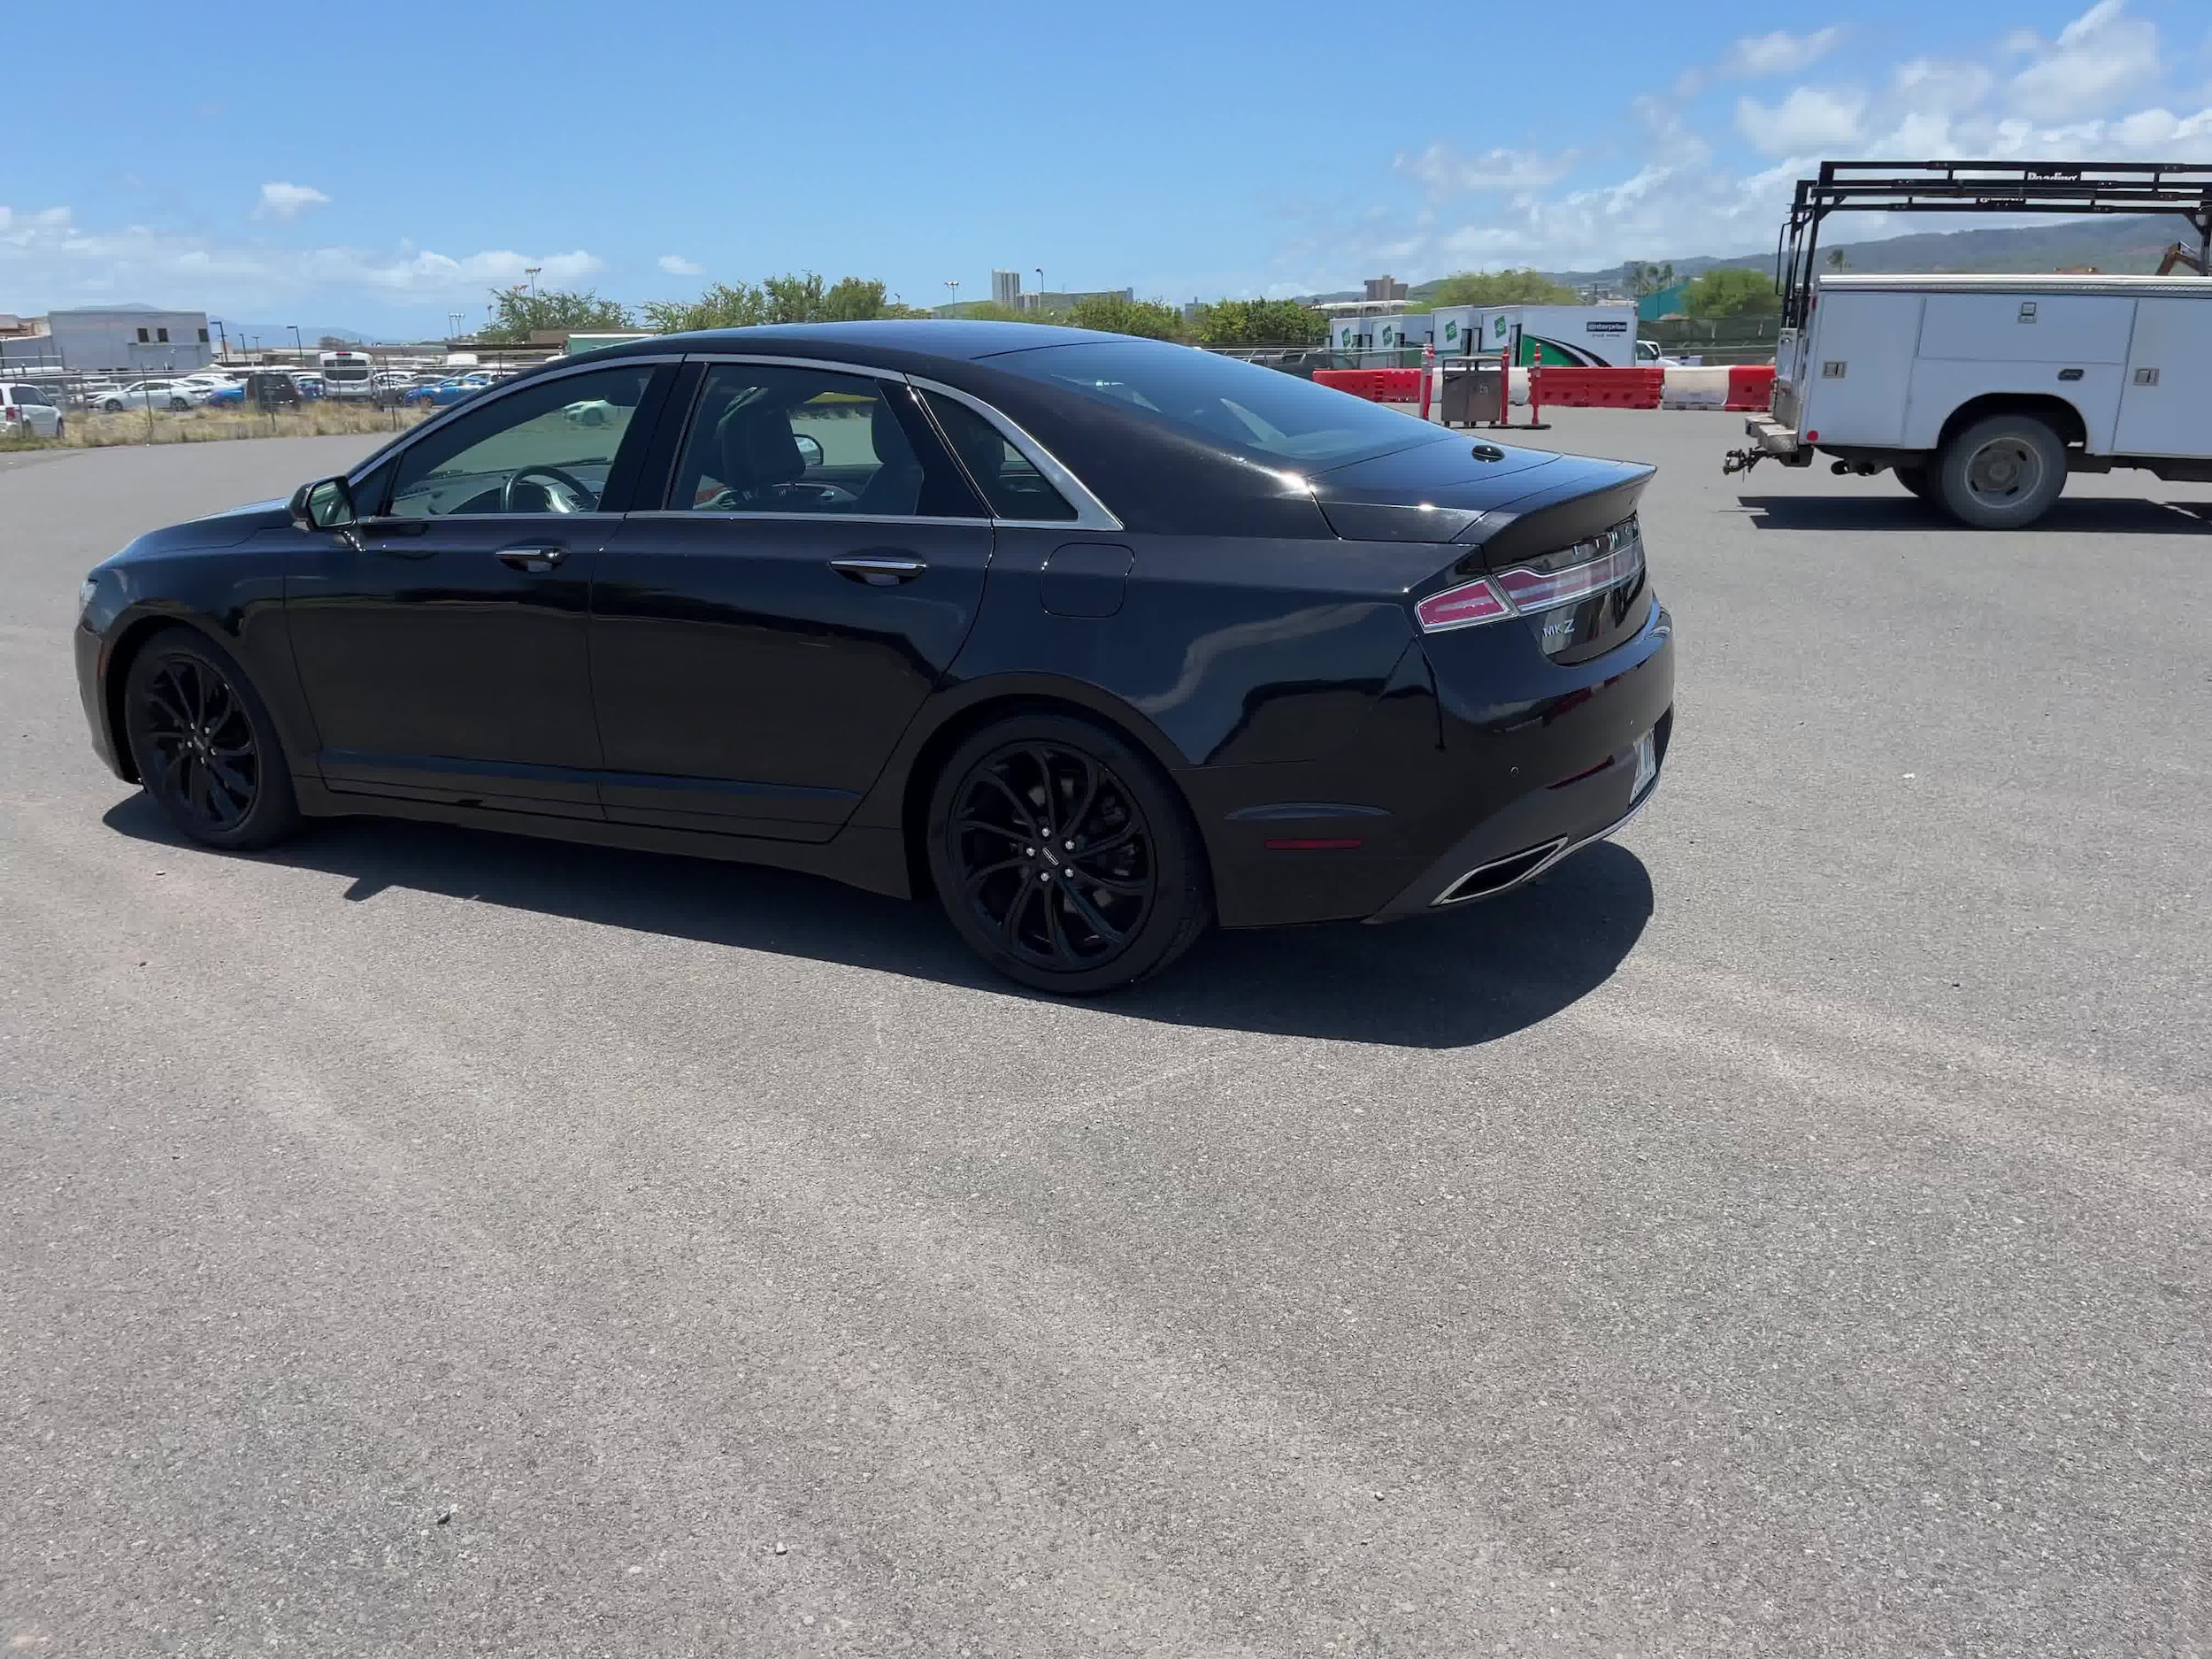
x,y
538,559
878,571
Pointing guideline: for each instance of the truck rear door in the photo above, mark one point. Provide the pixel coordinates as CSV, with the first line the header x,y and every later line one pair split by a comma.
x,y
2166,403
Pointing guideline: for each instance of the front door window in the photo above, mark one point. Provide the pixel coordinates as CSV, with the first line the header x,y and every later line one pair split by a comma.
x,y
540,449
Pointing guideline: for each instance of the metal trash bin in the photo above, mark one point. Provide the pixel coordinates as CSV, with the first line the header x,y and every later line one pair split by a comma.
x,y
1474,393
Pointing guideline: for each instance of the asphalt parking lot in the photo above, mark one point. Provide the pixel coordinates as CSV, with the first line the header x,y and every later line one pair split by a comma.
x,y
1782,1231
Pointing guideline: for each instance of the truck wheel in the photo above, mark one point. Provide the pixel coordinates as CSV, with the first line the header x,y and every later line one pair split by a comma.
x,y
2001,473
1917,479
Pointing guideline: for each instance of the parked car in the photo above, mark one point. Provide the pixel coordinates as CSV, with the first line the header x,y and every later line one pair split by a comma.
x,y
30,408
444,392
1101,640
310,385
170,394
270,388
221,390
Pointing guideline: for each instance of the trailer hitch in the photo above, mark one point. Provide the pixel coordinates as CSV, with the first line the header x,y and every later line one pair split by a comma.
x,y
1742,460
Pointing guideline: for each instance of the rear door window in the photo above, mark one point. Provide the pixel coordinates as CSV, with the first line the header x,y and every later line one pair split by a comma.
x,y
774,439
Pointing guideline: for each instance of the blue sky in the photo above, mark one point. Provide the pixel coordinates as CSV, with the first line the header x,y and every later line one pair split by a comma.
x,y
379,167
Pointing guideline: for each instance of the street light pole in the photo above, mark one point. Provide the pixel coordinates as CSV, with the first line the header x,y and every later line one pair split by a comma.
x,y
1040,288
954,284
299,346
532,272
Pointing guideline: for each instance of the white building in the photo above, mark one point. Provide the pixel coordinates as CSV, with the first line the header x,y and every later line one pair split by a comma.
x,y
128,338
1006,288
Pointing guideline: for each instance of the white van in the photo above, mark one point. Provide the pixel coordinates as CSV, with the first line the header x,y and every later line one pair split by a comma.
x,y
1983,392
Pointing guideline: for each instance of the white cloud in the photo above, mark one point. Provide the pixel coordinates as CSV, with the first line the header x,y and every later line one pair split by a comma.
x,y
1780,53
676,264
1671,178
1810,118
1930,86
288,201
47,256
1444,171
2100,55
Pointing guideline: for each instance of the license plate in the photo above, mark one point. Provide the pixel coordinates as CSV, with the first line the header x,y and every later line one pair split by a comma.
x,y
1647,765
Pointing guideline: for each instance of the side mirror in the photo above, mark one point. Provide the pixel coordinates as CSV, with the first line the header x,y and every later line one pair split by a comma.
x,y
326,505
810,448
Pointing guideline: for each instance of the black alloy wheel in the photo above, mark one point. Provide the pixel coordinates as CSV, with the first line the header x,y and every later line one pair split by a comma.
x,y
204,746
1063,856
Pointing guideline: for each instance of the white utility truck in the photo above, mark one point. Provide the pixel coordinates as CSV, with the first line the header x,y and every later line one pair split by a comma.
x,y
1983,392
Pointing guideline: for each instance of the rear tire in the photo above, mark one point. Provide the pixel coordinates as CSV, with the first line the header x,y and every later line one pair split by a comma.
x,y
206,750
1064,857
2001,473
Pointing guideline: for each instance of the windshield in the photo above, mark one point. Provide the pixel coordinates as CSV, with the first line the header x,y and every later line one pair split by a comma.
x,y
1261,413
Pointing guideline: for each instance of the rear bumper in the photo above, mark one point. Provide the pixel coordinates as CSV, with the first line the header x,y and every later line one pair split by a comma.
x,y
1511,754
1523,840
1771,436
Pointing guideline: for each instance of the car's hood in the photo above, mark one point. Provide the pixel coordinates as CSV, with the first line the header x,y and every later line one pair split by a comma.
x,y
1453,489
222,529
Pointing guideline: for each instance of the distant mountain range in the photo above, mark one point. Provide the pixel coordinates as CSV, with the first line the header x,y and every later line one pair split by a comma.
x,y
2115,245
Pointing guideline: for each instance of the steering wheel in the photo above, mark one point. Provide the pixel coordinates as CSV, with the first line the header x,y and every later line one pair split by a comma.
x,y
585,501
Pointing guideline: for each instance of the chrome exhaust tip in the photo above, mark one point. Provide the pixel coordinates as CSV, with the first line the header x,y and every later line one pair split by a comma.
x,y
1500,874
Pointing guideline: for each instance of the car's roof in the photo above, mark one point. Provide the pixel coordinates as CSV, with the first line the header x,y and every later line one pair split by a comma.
x,y
894,342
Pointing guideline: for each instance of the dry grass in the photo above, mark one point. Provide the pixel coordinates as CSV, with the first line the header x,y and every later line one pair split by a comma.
x,y
84,429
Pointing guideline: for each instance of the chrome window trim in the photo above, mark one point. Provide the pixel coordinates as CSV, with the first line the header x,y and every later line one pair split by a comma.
x,y
492,395
701,514
831,365
1090,512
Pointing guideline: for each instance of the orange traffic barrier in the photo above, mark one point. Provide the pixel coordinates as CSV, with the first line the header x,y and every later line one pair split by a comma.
x,y
1751,386
1596,388
1377,386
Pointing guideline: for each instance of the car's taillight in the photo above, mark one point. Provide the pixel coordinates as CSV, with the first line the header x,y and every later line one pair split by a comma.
x,y
11,414
1462,607
1545,586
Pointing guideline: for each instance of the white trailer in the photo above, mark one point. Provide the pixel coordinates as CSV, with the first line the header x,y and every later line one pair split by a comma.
x,y
1455,330
1983,392
1578,336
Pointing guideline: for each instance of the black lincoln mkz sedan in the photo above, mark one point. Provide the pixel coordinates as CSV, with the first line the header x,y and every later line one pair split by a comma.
x,y
1100,639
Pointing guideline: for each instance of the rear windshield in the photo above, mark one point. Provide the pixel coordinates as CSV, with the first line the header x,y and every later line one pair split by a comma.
x,y
1269,416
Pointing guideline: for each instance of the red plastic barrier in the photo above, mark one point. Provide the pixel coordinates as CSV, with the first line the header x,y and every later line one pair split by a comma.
x,y
1596,388
1751,386
1377,386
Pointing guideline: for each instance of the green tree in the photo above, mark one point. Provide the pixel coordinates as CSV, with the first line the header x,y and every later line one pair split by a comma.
x,y
518,313
988,311
802,298
1110,313
1502,287
725,305
1640,277
1260,323
1731,291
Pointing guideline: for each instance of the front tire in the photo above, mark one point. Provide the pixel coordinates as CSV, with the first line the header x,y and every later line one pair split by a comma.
x,y
206,749
2001,473
1064,857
